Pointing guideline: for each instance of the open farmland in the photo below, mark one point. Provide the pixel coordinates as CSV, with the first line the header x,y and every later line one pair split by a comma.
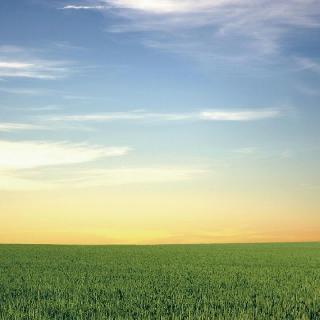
x,y
245,281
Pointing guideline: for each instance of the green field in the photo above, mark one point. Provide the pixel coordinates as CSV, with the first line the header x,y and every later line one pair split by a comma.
x,y
245,281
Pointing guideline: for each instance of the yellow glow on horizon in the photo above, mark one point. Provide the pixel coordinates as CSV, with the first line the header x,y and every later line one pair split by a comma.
x,y
127,216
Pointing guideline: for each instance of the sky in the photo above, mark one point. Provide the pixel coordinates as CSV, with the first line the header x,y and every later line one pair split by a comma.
x,y
159,121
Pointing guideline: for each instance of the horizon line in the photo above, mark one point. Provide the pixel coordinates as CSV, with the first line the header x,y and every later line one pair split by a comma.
x,y
158,244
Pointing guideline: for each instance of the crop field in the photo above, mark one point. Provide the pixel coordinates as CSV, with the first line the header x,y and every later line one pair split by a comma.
x,y
244,281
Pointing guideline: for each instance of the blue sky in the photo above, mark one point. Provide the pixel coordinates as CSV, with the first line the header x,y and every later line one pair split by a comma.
x,y
189,92
169,63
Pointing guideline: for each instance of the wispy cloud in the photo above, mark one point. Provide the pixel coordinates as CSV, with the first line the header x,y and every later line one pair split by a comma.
x,y
25,91
129,116
13,181
10,49
11,126
45,92
16,155
96,177
246,151
37,69
208,115
76,7
18,62
258,153
27,109
246,115
26,165
240,28
163,7
142,175
308,64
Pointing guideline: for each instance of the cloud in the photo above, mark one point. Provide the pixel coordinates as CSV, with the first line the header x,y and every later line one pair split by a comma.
x,y
95,177
26,91
249,115
247,151
209,115
15,65
234,28
308,64
130,116
226,14
145,174
11,181
45,92
11,126
167,6
32,154
76,7
19,62
10,49
27,165
37,69
130,175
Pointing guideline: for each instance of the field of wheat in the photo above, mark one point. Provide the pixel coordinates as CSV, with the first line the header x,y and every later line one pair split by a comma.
x,y
245,281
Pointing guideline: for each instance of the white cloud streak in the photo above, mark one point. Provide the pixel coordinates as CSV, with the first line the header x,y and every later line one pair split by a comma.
x,y
43,179
27,165
167,6
33,154
36,69
130,175
19,62
239,115
76,7
130,116
25,91
208,115
234,27
12,126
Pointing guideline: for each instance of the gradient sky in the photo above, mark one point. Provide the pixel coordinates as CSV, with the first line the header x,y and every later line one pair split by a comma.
x,y
159,121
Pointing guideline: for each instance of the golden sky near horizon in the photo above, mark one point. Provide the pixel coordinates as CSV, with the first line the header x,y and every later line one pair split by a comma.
x,y
146,215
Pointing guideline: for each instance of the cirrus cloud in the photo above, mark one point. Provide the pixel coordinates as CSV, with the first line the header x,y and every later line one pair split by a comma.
x,y
15,155
241,28
14,126
208,115
20,62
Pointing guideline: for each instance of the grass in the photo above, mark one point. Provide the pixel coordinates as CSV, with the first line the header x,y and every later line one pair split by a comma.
x,y
245,281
